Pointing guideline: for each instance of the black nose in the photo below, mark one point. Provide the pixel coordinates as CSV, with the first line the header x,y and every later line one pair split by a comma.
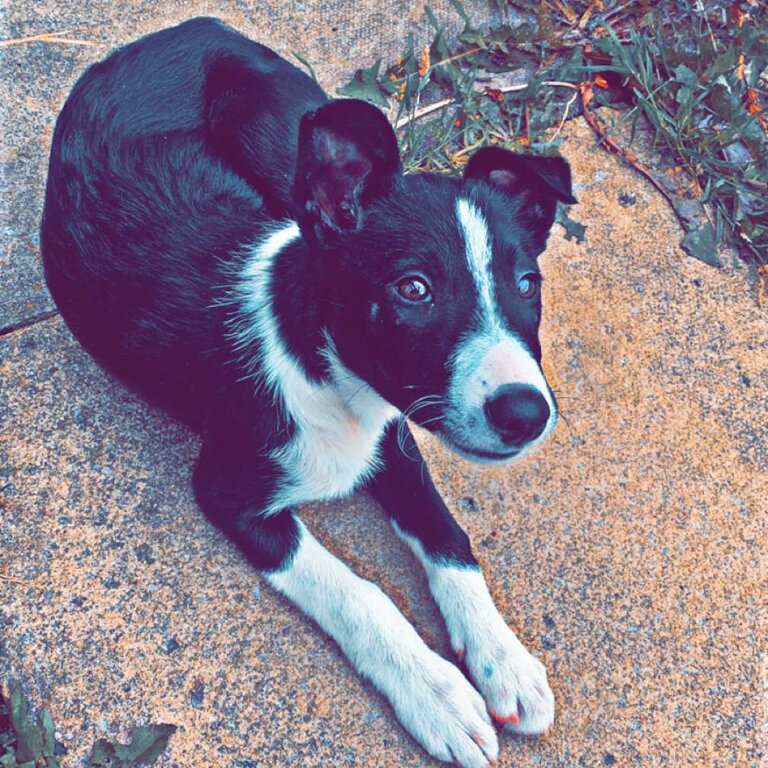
x,y
519,413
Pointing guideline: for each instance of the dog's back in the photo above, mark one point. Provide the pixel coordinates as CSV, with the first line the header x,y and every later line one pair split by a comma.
x,y
165,161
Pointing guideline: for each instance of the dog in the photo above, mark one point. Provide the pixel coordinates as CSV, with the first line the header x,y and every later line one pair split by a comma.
x,y
246,253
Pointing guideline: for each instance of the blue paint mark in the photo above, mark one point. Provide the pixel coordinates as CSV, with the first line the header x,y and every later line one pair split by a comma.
x,y
487,671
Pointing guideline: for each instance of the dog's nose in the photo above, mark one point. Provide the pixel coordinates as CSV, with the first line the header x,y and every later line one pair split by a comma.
x,y
519,413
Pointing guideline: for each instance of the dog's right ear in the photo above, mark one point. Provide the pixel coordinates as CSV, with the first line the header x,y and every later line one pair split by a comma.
x,y
347,155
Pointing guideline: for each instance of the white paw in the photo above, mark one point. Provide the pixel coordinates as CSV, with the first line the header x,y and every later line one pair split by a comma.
x,y
444,713
512,681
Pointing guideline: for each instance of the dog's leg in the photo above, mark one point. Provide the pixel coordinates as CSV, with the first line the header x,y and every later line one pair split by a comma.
x,y
430,696
513,682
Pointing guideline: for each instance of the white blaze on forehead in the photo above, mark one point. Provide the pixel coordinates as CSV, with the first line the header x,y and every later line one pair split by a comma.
x,y
491,355
477,241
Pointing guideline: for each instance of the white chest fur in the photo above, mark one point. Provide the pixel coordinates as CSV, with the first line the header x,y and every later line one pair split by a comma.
x,y
338,424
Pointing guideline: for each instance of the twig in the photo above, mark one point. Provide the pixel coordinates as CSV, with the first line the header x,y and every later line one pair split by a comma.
x,y
50,37
565,115
762,288
440,63
585,91
428,110
20,582
617,10
467,149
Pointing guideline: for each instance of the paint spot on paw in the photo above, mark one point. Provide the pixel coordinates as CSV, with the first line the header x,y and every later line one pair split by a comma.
x,y
514,718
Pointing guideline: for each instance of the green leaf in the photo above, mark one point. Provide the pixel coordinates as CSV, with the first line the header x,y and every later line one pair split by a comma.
x,y
701,244
724,63
357,90
439,49
573,229
473,37
686,76
48,729
29,739
432,19
147,743
102,753
459,8
305,64
365,85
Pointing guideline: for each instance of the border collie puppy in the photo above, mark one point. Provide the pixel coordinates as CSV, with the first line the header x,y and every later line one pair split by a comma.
x,y
246,253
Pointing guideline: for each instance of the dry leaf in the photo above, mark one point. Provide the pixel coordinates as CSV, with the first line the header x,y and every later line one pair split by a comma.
x,y
762,288
424,61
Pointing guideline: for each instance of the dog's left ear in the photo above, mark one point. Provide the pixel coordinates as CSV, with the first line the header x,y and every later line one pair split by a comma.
x,y
347,155
542,181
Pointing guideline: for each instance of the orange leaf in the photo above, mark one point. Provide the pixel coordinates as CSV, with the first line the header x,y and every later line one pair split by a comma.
x,y
424,61
753,102
601,81
587,94
737,15
569,14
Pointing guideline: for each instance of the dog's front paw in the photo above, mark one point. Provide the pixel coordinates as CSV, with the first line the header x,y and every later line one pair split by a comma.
x,y
444,713
512,681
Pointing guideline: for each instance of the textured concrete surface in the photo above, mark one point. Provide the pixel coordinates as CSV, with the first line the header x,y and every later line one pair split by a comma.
x,y
628,553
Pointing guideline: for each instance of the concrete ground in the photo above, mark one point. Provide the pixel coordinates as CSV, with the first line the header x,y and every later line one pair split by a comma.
x,y
628,553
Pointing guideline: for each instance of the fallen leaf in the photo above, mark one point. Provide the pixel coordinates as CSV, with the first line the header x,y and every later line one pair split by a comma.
x,y
573,229
700,243
424,61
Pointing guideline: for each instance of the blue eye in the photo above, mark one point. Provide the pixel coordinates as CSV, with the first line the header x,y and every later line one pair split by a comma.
x,y
528,284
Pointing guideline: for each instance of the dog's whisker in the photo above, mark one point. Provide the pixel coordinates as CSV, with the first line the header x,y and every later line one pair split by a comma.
x,y
567,424
430,421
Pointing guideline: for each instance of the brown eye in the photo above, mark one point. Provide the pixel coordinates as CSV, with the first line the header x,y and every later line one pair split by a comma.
x,y
413,288
528,284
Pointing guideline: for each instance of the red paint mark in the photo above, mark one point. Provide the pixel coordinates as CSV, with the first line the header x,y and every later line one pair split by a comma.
x,y
513,718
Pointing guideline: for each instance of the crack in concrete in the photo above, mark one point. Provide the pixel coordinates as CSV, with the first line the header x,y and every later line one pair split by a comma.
x,y
28,322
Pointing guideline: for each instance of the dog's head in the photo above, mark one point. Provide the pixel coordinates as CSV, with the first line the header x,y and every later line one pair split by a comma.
x,y
433,292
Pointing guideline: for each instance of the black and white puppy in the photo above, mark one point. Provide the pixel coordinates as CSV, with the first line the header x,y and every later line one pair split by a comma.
x,y
247,254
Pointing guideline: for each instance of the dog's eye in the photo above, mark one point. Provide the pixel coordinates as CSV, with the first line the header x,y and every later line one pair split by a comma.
x,y
528,284
413,288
